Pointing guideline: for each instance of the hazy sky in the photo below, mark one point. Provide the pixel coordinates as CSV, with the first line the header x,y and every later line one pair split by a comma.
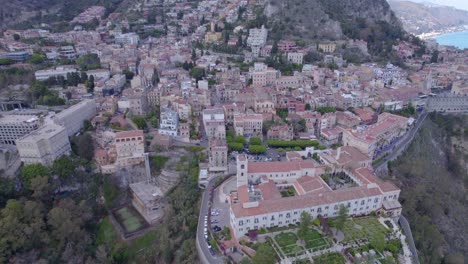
x,y
460,4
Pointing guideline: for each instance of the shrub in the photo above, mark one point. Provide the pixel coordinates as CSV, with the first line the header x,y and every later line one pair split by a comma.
x,y
316,222
255,141
292,143
255,149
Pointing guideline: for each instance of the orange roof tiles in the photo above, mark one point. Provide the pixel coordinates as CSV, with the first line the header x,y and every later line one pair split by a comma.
x,y
125,134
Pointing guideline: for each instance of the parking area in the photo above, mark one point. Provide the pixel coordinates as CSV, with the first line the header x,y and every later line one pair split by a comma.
x,y
220,207
272,154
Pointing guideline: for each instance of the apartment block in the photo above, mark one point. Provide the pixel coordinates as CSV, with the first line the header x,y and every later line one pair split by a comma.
x,y
44,145
249,125
13,127
218,159
73,117
169,122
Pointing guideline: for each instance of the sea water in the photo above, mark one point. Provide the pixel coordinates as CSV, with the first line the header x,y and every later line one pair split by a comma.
x,y
457,39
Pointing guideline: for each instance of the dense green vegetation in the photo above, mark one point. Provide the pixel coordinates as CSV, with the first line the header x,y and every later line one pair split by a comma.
x,y
88,62
173,241
434,181
40,225
65,12
41,95
12,76
326,109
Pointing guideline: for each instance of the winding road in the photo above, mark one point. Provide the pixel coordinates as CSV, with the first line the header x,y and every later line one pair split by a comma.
x,y
403,143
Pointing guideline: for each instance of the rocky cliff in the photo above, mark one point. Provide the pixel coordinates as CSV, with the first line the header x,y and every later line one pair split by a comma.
x,y
328,19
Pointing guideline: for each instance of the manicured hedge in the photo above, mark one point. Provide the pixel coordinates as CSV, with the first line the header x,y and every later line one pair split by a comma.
x,y
292,144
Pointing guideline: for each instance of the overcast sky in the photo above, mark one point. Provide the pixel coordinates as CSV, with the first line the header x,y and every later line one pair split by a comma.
x,y
460,4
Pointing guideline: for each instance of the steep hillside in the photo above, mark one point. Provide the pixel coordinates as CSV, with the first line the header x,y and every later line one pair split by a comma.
x,y
433,176
26,13
420,18
370,20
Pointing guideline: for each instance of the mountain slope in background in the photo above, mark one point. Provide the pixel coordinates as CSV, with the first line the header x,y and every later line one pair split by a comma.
x,y
420,18
369,20
27,13
325,18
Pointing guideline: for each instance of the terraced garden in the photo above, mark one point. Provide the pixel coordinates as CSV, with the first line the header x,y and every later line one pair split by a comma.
x,y
362,227
331,258
315,241
288,242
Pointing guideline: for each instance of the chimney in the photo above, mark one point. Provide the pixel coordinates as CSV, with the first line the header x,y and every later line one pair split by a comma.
x,y
338,153
212,26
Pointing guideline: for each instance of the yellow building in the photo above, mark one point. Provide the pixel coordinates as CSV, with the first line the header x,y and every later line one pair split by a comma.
x,y
327,47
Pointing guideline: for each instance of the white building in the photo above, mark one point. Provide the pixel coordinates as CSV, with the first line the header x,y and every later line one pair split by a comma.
x,y
295,57
44,145
13,127
128,39
258,202
169,122
257,36
43,75
257,39
73,117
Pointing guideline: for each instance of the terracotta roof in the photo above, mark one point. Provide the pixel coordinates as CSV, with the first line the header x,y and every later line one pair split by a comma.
x,y
312,184
269,190
125,134
305,201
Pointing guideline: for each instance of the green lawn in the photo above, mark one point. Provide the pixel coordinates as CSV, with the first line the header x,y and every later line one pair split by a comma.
x,y
331,258
106,233
292,250
314,240
362,227
129,219
286,239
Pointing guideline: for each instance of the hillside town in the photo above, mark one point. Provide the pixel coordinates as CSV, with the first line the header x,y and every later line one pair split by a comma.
x,y
288,132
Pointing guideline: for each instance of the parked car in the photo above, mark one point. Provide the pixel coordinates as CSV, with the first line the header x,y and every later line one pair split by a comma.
x,y
212,251
216,228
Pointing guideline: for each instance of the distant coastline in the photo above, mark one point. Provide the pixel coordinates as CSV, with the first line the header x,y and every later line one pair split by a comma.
x,y
435,34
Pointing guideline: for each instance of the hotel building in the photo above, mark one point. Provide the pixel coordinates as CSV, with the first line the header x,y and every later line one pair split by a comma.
x,y
258,202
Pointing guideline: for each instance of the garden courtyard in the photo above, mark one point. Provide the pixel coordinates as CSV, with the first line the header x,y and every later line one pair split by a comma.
x,y
362,228
291,245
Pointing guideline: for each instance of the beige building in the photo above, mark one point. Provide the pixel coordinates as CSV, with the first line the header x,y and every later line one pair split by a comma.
x,y
375,139
262,75
249,125
218,161
327,47
44,145
281,132
73,117
148,199
129,143
214,123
